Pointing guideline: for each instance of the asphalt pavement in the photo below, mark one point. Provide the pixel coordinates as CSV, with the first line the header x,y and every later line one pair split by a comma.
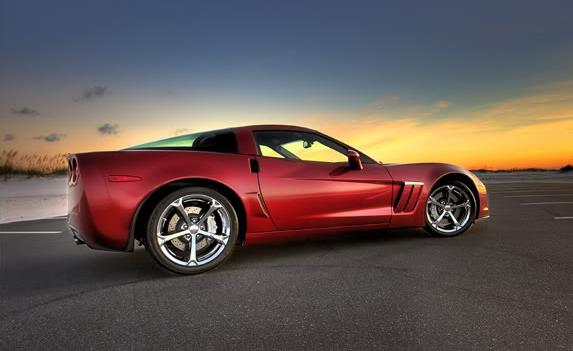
x,y
505,284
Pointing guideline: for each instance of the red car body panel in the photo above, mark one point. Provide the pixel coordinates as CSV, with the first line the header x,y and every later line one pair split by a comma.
x,y
306,195
429,174
285,197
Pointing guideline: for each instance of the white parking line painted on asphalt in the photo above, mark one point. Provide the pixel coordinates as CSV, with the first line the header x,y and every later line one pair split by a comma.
x,y
558,218
538,195
42,232
547,203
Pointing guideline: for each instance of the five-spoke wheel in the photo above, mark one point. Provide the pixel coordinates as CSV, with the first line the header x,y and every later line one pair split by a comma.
x,y
192,230
450,209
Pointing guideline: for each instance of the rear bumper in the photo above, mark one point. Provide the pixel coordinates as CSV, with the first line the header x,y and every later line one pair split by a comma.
x,y
85,231
93,217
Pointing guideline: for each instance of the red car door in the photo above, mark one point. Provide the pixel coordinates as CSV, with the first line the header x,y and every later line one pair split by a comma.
x,y
300,192
306,194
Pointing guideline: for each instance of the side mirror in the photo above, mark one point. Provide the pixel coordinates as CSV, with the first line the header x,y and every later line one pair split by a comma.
x,y
354,160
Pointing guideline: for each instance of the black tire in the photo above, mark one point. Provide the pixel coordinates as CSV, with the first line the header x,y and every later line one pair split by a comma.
x,y
472,212
152,244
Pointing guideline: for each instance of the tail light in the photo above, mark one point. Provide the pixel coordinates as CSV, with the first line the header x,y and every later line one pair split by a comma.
x,y
73,171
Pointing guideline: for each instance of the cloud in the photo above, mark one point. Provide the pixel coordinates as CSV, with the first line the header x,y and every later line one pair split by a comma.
x,y
50,138
94,93
441,104
8,137
531,130
396,106
181,131
108,129
25,111
384,102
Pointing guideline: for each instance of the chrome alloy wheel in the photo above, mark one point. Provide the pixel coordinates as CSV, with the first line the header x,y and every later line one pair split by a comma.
x,y
193,230
449,209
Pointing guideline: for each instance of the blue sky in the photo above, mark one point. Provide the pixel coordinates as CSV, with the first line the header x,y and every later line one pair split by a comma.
x,y
281,59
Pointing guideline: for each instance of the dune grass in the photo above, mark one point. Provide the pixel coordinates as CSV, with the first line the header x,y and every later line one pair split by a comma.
x,y
31,165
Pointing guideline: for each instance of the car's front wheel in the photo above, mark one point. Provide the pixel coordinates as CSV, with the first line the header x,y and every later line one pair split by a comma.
x,y
450,209
192,230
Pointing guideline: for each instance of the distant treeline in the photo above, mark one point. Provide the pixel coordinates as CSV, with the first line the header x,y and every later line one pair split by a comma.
x,y
563,169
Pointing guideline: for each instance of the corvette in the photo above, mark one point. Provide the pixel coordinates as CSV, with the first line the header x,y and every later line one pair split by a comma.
x,y
191,199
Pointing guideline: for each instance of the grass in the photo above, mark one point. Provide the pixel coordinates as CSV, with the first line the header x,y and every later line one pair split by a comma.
x,y
31,165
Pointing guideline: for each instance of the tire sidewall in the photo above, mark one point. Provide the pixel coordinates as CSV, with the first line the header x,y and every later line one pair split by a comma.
x,y
154,249
471,220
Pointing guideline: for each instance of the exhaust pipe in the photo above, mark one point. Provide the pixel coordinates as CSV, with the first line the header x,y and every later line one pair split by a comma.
x,y
77,239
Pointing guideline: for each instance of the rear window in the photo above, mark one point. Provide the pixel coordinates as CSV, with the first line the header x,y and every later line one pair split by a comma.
x,y
215,141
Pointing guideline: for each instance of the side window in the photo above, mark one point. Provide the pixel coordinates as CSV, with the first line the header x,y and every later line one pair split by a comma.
x,y
216,142
268,152
299,146
314,150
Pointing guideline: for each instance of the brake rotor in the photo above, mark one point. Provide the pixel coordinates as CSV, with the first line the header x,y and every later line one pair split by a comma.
x,y
176,223
435,211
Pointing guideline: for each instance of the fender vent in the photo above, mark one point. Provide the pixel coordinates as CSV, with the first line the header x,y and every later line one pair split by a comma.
x,y
408,197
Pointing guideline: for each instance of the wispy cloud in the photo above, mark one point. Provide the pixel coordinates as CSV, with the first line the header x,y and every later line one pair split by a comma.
x,y
8,137
181,131
108,129
50,138
441,104
25,111
382,103
532,130
397,105
94,93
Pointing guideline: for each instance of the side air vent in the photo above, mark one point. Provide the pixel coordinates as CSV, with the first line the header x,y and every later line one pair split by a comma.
x,y
408,197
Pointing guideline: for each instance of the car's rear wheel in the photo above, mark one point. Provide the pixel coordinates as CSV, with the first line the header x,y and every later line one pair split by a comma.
x,y
192,230
450,209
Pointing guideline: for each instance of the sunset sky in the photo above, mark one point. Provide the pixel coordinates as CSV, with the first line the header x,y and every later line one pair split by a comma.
x,y
480,84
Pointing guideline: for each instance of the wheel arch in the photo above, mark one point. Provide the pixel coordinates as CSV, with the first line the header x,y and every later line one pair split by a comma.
x,y
138,223
465,179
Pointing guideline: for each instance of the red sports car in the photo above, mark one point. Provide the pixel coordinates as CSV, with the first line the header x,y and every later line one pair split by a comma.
x,y
191,199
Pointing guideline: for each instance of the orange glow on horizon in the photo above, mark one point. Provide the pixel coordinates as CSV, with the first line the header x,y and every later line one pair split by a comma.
x,y
533,131
548,145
